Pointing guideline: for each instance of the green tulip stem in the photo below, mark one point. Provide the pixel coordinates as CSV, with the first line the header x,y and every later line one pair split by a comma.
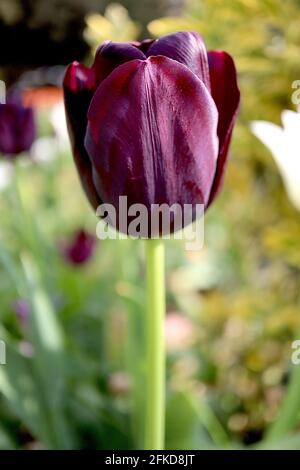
x,y
156,307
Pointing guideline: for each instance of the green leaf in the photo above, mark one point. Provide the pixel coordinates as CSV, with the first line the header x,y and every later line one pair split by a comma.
x,y
49,358
19,389
183,430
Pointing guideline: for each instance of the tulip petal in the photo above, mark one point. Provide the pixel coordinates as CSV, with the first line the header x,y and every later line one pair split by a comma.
x,y
78,78
79,85
152,135
187,48
112,54
273,137
144,45
226,94
283,144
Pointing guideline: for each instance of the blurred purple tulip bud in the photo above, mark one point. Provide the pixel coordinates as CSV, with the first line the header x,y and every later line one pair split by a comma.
x,y
80,248
17,127
21,308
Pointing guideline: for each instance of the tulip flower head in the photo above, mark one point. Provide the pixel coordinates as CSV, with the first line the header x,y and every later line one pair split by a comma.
x,y
80,248
17,127
283,142
152,121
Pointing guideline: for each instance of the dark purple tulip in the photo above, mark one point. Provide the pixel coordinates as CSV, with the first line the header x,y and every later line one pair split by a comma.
x,y
80,248
17,127
152,121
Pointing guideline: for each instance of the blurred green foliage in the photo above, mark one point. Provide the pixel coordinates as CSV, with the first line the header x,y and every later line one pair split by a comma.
x,y
101,27
250,310
75,372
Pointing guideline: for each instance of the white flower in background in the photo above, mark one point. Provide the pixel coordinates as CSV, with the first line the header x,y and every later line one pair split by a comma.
x,y
43,150
284,144
6,172
58,121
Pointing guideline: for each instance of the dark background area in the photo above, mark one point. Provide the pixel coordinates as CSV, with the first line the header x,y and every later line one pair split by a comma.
x,y
34,33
